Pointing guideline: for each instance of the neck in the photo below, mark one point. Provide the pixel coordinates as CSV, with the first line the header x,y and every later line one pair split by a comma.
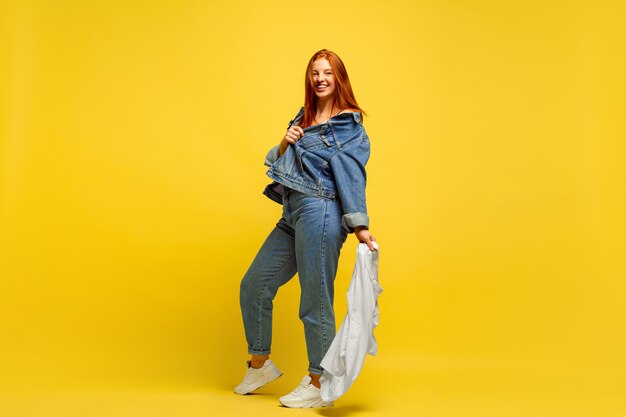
x,y
325,106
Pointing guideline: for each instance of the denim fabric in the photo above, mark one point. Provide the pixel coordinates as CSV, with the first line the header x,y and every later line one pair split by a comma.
x,y
328,161
307,239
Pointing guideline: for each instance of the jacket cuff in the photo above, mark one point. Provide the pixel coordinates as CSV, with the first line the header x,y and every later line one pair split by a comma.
x,y
272,156
351,220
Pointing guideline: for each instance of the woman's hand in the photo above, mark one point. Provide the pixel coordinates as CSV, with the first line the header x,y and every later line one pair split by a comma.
x,y
364,236
293,134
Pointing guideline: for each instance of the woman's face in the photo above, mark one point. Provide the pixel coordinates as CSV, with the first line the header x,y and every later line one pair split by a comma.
x,y
323,78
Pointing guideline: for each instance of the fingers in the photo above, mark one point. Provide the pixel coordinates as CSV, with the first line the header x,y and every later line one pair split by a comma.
x,y
293,131
368,241
291,138
293,134
370,244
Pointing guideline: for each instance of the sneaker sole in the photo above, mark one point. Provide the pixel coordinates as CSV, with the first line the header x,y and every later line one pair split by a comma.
x,y
308,404
256,386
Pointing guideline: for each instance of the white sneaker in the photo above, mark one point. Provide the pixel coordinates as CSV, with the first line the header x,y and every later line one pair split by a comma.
x,y
256,378
306,395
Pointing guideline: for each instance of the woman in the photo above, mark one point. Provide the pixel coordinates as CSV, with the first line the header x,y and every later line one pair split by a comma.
x,y
319,177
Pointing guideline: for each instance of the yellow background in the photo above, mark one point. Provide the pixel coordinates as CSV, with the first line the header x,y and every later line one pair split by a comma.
x,y
133,135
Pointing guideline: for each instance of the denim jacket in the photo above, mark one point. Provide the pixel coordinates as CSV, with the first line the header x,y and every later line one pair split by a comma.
x,y
328,161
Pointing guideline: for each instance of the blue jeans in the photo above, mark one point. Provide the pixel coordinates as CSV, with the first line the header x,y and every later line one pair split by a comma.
x,y
307,240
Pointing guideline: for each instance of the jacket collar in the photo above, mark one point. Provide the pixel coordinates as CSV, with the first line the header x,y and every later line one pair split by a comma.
x,y
355,115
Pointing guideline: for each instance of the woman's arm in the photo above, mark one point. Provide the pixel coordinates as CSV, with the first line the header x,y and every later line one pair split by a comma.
x,y
348,167
282,147
293,134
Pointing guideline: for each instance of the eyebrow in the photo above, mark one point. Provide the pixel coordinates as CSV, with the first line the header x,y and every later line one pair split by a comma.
x,y
328,69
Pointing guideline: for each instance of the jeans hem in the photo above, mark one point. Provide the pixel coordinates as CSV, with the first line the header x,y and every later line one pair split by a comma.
x,y
259,352
315,370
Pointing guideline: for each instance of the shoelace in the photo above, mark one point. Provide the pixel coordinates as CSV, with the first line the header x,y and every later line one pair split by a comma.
x,y
250,370
301,388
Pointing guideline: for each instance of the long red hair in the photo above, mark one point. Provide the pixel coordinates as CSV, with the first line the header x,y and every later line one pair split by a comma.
x,y
343,96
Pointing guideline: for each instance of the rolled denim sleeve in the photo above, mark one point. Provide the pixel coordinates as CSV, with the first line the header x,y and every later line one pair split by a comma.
x,y
348,168
272,156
